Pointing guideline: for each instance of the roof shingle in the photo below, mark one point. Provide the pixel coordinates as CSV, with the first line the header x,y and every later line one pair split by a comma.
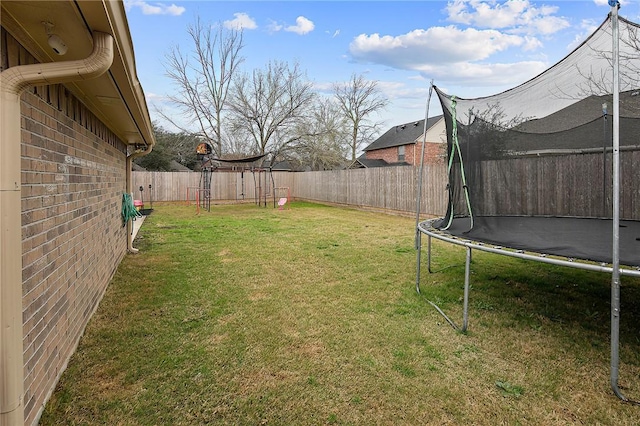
x,y
403,134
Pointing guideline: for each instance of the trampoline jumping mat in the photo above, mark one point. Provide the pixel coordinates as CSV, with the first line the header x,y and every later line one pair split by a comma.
x,y
578,238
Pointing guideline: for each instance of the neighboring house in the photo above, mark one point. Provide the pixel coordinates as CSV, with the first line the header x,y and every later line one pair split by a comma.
x,y
174,166
281,166
137,168
72,118
402,145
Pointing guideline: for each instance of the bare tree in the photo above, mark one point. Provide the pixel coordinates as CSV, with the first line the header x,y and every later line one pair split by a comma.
x,y
203,79
269,105
358,99
490,132
238,141
326,144
629,65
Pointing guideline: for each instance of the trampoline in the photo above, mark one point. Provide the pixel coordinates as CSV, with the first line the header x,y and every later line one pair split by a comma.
x,y
549,170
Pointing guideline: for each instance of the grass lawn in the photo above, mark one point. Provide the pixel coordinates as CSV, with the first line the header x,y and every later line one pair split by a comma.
x,y
308,316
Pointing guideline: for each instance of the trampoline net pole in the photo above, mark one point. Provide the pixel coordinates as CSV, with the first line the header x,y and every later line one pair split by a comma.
x,y
418,238
615,274
420,173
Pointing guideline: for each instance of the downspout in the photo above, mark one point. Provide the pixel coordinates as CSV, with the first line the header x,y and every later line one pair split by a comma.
x,y
13,81
129,184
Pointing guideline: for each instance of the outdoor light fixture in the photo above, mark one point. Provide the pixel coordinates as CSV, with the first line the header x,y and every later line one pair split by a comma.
x,y
604,108
55,42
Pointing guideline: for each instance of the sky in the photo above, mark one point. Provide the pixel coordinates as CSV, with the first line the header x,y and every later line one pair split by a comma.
x,y
469,48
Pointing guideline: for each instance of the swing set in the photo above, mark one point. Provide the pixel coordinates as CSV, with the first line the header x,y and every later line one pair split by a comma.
x,y
263,180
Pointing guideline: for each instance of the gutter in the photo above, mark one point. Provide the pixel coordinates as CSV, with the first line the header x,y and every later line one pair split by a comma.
x,y
13,81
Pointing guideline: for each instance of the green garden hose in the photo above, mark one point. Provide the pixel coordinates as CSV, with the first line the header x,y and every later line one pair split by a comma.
x,y
129,211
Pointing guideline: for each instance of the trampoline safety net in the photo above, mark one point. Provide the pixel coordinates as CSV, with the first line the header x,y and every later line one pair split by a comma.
x,y
544,148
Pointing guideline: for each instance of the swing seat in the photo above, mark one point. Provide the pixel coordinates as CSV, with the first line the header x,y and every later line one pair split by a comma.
x,y
282,201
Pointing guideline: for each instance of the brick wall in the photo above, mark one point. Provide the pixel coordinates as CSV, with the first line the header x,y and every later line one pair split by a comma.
x,y
72,235
434,153
73,177
390,155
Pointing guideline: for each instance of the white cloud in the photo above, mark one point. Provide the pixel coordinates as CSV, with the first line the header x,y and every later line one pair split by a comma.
x,y
480,74
155,8
547,25
588,27
274,27
449,53
175,10
154,97
302,26
516,16
242,21
323,87
457,12
398,90
484,14
531,43
437,44
467,52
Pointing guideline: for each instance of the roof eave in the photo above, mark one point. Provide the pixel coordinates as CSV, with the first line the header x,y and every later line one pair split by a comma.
x,y
116,97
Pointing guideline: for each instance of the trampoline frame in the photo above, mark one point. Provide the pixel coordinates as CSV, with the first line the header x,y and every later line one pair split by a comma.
x,y
426,227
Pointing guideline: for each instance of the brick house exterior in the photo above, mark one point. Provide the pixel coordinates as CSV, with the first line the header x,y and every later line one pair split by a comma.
x,y
73,239
402,145
73,173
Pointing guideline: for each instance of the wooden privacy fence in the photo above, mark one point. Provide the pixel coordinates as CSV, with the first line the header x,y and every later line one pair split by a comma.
x,y
577,185
561,185
165,186
385,188
225,186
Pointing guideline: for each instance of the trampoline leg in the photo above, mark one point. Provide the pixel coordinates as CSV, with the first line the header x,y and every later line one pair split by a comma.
x,y
615,341
465,305
615,337
418,250
429,253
